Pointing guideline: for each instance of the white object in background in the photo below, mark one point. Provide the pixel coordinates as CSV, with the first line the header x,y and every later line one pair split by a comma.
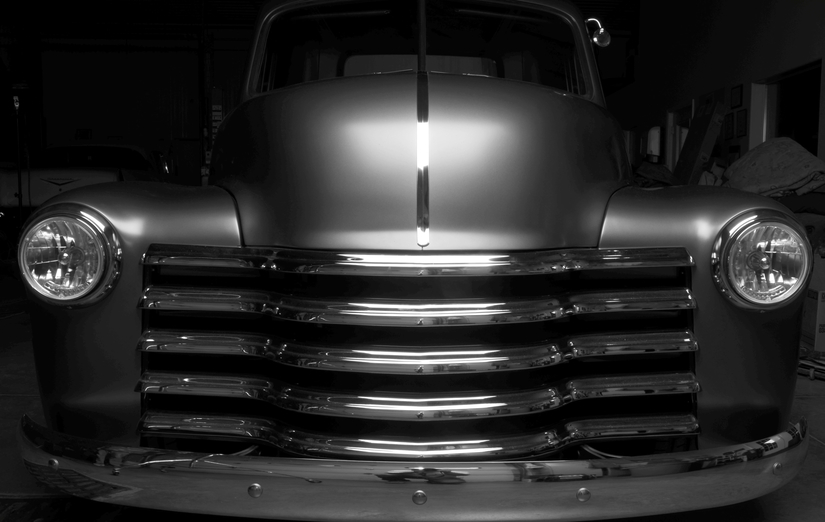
x,y
654,144
654,138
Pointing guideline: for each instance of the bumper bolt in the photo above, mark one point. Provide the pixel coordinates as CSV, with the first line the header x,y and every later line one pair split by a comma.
x,y
777,468
583,495
419,497
255,490
53,463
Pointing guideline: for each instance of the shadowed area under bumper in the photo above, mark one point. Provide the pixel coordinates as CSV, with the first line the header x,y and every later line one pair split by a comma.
x,y
317,489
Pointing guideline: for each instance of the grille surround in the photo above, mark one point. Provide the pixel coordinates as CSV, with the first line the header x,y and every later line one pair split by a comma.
x,y
299,336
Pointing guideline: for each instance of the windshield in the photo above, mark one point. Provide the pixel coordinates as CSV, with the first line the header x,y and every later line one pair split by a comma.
x,y
461,37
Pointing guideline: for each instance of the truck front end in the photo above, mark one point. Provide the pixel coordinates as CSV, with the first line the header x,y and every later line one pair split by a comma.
x,y
420,287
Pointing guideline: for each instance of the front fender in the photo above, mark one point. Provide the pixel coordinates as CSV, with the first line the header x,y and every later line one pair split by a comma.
x,y
95,345
746,363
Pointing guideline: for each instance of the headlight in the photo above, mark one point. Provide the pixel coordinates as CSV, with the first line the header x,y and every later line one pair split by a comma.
x,y
761,259
69,254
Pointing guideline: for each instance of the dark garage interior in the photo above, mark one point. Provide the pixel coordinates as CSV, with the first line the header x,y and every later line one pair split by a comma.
x,y
694,86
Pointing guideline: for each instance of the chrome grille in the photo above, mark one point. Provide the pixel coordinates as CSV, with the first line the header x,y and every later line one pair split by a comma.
x,y
353,355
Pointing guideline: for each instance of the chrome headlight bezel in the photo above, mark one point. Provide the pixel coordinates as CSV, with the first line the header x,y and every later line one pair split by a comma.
x,y
733,232
103,233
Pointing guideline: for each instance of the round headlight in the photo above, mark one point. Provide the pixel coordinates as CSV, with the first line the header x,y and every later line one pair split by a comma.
x,y
69,254
761,259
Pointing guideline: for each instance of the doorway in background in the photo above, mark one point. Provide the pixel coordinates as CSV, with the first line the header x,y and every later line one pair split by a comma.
x,y
791,106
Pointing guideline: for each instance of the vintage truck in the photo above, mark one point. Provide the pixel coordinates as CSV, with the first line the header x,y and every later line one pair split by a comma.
x,y
420,286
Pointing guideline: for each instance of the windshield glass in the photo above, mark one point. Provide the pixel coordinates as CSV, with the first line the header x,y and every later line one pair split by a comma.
x,y
461,37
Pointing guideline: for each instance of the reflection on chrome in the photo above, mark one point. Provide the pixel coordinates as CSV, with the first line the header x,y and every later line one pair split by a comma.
x,y
630,385
417,264
429,354
436,307
410,312
418,359
631,344
423,407
429,310
422,159
424,453
432,260
438,399
743,222
93,218
146,476
445,443
543,442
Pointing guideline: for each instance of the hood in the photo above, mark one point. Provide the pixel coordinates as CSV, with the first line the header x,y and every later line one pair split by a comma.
x,y
334,165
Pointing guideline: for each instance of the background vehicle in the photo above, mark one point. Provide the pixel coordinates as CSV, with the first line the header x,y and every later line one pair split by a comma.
x,y
421,284
71,166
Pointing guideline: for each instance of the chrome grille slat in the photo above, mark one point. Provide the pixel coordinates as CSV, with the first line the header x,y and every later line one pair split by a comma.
x,y
405,265
385,312
631,343
551,439
401,359
441,406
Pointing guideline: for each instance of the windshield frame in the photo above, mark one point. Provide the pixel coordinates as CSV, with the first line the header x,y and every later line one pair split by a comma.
x,y
567,12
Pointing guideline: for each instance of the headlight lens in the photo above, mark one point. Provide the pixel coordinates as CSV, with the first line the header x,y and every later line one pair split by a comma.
x,y
763,260
69,257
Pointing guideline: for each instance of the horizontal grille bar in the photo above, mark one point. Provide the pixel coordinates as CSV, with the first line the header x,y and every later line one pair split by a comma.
x,y
331,445
411,406
394,359
419,264
383,312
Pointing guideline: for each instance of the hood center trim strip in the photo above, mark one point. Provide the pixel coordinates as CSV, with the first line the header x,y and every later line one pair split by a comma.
x,y
423,160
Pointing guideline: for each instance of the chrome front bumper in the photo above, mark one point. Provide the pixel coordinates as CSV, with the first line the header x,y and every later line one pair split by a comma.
x,y
315,489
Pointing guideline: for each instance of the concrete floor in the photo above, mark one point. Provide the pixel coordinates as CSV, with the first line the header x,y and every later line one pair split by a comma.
x,y
23,499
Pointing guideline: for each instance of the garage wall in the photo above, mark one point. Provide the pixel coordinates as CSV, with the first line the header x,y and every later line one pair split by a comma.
x,y
689,48
145,96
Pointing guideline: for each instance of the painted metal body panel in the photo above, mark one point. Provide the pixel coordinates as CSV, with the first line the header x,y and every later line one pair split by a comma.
x,y
517,166
747,358
332,165
86,357
325,164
